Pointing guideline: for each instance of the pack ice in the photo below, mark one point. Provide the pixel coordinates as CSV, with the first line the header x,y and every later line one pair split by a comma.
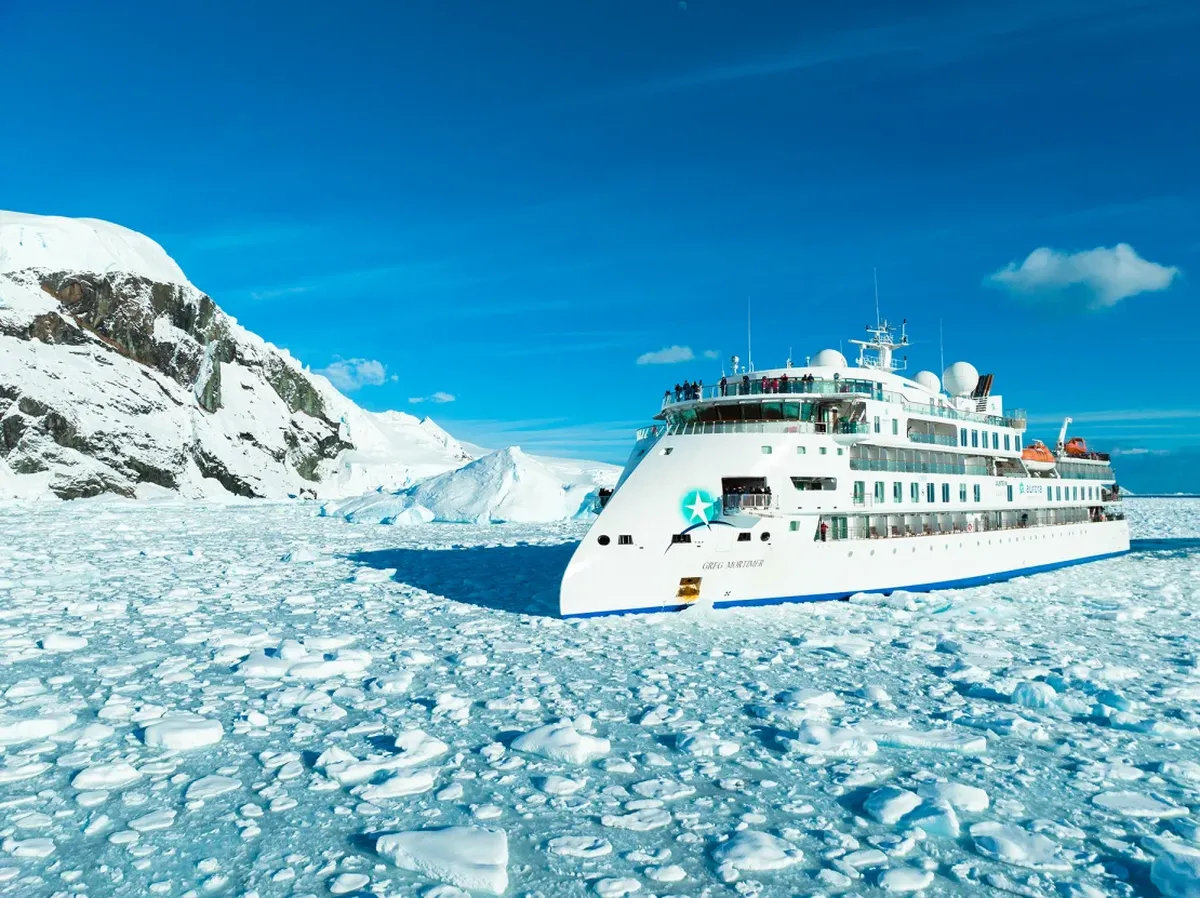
x,y
244,700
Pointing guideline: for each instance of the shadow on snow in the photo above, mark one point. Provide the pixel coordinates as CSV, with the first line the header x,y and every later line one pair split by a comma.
x,y
522,579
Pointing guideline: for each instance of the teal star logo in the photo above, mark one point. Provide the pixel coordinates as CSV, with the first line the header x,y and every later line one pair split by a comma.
x,y
698,507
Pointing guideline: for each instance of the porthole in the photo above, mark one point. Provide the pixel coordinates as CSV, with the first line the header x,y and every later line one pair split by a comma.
x,y
766,536
603,540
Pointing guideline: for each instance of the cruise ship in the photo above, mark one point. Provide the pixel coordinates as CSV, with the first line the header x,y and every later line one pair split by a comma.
x,y
798,484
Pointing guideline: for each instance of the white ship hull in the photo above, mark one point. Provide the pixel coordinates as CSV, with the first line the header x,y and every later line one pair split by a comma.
x,y
794,568
821,482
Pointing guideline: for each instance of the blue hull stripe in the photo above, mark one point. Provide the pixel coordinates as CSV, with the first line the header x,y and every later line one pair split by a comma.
x,y
833,596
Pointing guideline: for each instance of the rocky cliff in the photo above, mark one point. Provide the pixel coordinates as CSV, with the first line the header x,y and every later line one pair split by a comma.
x,y
119,376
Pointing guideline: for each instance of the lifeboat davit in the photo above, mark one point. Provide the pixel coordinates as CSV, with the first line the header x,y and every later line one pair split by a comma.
x,y
1037,457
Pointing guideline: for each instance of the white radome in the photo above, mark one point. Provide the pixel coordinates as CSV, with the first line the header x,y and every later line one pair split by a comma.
x,y
960,378
929,381
828,358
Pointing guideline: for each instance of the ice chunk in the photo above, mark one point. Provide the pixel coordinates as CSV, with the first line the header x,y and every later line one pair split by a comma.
x,y
1021,848
889,804
15,730
1176,869
398,785
962,797
1135,804
182,732
579,846
753,850
562,742
62,642
905,879
469,857
210,787
614,887
638,821
936,818
1034,695
663,789
106,776
814,738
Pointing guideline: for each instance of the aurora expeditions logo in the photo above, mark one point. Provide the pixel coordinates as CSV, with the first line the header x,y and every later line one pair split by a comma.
x,y
699,507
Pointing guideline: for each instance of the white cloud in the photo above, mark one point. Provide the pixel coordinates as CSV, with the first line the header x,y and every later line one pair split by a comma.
x,y
439,397
1103,276
712,353
351,374
668,355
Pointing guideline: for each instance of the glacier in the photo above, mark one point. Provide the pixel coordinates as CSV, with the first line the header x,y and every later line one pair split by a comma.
x,y
204,697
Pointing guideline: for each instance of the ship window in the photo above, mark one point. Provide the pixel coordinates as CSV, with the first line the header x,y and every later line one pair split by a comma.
x,y
840,450
946,493
977,493
624,540
878,490
1010,494
1058,493
897,491
766,450
603,539
824,450
995,440
1007,441
974,439
1017,442
962,436
877,424
745,537
860,490
667,450
791,411
681,537
772,411
814,483
801,450
1074,493
792,525
929,493
915,492
962,492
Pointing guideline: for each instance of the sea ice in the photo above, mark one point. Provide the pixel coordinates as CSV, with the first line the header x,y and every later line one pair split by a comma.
x,y
470,857
183,732
1019,847
562,742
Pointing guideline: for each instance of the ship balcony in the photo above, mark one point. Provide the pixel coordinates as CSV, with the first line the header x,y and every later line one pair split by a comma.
x,y
687,428
1015,420
848,388
747,503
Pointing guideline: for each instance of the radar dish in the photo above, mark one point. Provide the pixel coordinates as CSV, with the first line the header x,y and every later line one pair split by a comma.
x,y
828,358
960,378
929,381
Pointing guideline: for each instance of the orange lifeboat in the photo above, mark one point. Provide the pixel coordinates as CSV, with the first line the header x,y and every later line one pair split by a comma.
x,y
1037,457
1077,447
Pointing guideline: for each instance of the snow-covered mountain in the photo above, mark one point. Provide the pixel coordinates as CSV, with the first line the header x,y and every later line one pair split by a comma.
x,y
118,376
504,487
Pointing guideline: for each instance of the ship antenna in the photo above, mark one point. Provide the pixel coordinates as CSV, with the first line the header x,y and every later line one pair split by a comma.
x,y
941,346
749,339
875,276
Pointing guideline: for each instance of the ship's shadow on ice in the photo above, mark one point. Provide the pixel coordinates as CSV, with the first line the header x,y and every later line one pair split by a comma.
x,y
1177,546
522,579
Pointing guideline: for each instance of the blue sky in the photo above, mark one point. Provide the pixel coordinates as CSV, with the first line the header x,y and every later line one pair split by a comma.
x,y
510,203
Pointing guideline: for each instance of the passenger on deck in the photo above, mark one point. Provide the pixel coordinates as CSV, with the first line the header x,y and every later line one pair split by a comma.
x,y
678,392
763,385
745,384
783,384
699,389
666,397
824,528
724,384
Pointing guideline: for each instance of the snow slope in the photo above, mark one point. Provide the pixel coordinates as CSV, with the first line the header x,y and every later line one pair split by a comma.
x,y
247,699
502,487
118,376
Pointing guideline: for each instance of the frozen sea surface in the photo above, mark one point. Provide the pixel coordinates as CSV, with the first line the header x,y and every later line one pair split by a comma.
x,y
251,700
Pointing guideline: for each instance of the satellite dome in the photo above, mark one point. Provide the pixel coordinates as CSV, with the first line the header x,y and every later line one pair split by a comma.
x,y
960,378
929,381
829,358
